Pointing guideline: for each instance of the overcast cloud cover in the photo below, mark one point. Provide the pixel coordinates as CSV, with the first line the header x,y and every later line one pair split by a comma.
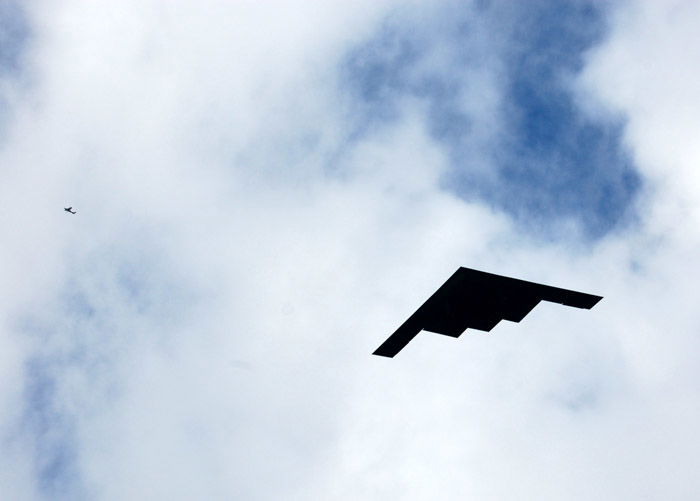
x,y
265,190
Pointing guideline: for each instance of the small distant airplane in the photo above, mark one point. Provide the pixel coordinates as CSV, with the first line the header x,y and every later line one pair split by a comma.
x,y
69,209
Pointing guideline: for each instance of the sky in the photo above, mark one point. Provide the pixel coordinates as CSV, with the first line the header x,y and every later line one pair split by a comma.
x,y
266,190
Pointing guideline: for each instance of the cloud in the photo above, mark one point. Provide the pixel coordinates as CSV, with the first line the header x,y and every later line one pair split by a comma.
x,y
265,191
495,80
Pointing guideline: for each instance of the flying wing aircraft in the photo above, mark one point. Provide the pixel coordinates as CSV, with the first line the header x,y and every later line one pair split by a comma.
x,y
478,300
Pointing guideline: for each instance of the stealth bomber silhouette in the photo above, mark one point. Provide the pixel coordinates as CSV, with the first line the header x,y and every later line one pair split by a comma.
x,y
478,300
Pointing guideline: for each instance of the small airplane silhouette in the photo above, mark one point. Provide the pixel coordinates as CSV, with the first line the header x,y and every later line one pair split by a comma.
x,y
68,209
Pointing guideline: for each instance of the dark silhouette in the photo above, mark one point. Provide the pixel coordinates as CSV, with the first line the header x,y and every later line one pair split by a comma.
x,y
478,300
68,209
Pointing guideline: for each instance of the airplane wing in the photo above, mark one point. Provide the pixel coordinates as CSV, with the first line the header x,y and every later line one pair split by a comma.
x,y
478,300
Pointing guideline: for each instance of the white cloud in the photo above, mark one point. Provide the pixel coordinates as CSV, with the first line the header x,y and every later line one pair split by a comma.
x,y
207,317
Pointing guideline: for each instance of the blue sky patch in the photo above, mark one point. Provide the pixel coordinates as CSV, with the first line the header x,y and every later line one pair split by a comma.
x,y
52,432
14,33
549,162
